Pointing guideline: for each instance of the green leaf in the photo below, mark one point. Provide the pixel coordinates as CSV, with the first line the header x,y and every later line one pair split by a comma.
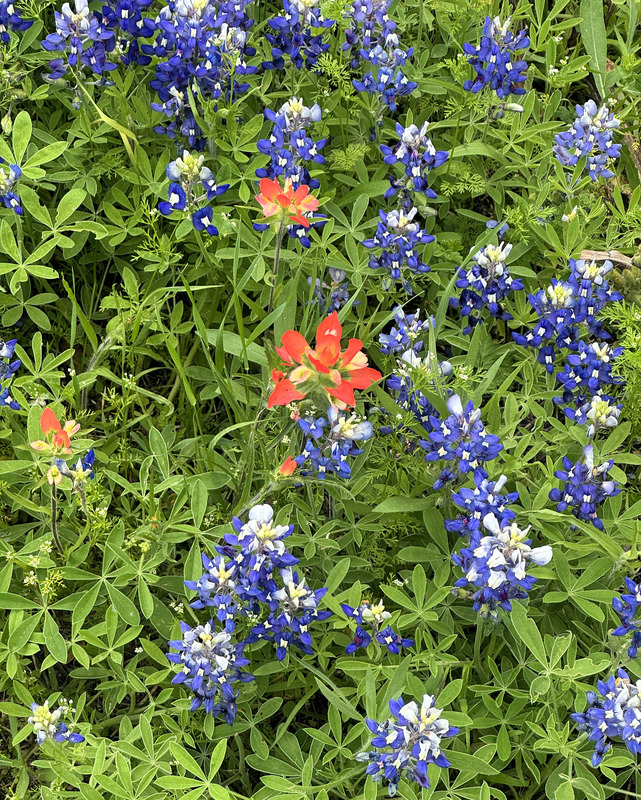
x,y
464,762
46,154
403,505
69,203
127,611
198,502
593,34
528,632
53,639
21,135
186,760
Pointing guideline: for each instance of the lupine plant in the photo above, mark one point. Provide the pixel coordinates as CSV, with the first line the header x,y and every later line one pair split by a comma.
x,y
320,399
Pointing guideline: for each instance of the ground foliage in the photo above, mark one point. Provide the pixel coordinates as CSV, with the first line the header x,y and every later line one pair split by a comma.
x,y
159,340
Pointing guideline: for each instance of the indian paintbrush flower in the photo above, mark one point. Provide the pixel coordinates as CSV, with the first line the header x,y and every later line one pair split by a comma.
x,y
325,369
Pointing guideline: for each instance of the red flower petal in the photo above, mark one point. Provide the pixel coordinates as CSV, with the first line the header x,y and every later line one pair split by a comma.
x,y
269,189
362,378
284,392
343,392
330,329
288,466
49,421
318,365
294,345
354,346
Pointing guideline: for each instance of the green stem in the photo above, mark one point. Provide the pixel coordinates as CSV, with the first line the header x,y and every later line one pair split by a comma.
x,y
478,638
54,518
279,241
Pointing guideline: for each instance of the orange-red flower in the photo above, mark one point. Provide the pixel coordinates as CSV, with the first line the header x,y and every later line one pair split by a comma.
x,y
57,436
288,467
325,368
286,202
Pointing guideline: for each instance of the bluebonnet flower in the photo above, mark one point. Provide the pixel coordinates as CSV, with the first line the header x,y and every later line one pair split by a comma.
x,y
83,39
294,35
375,616
495,61
331,443
588,370
211,664
461,437
192,184
203,47
586,487
397,237
410,741
289,145
419,157
48,724
10,19
599,412
591,136
592,291
369,24
485,284
612,713
242,583
496,564
406,333
485,498
8,368
8,180
627,606
292,608
559,311
337,292
389,83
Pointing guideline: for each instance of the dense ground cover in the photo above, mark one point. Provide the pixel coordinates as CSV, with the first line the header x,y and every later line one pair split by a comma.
x,y
320,400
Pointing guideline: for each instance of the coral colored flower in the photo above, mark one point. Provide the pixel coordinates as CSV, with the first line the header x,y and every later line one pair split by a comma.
x,y
326,368
286,202
54,476
288,467
57,436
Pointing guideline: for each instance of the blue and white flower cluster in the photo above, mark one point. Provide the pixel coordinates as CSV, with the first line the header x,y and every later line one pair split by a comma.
x,y
255,595
590,135
9,176
628,606
408,743
191,185
10,19
586,487
8,369
398,234
201,50
406,333
563,308
613,713
460,438
368,23
84,39
484,285
294,35
496,564
397,237
418,155
375,616
495,59
331,442
289,145
211,665
48,724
